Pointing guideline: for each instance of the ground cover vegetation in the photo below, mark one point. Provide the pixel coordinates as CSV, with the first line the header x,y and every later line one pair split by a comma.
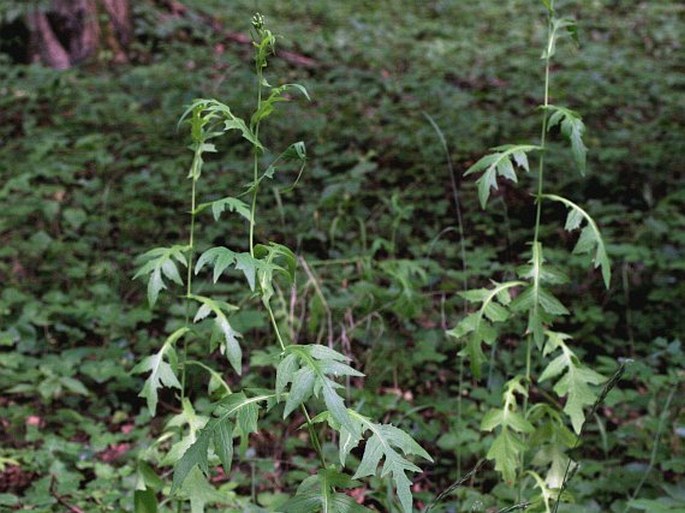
x,y
343,301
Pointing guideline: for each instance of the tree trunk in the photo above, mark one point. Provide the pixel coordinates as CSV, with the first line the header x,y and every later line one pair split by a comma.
x,y
70,31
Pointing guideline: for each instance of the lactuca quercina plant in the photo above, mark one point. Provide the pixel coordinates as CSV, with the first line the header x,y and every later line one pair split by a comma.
x,y
306,376
532,440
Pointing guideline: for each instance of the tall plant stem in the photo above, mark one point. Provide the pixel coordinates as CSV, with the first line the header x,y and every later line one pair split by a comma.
x,y
539,196
255,190
189,281
316,443
538,219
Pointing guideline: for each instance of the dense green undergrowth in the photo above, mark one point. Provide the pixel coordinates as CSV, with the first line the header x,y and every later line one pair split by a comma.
x,y
94,169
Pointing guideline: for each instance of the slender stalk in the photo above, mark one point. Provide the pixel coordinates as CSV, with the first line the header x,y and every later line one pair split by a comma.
x,y
655,446
255,190
189,281
539,195
538,216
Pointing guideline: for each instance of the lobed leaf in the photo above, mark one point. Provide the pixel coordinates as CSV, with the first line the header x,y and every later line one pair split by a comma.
x,y
590,239
160,263
229,344
478,326
573,128
499,163
162,373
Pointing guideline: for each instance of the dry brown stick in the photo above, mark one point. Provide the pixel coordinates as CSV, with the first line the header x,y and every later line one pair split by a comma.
x,y
61,499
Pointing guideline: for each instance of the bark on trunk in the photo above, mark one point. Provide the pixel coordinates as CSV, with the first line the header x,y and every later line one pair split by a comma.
x,y
71,32
46,46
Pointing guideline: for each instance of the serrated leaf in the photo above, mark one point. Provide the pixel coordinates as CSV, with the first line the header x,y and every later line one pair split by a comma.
x,y
219,430
322,362
161,373
195,455
573,128
501,162
301,389
223,444
207,113
382,444
506,451
590,238
229,337
159,263
477,326
229,204
284,372
575,385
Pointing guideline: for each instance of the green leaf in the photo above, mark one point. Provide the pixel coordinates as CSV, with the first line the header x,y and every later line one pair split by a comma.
x,y
384,443
273,259
266,107
161,372
223,444
478,326
575,382
506,452
317,363
301,389
159,263
501,162
210,114
317,494
229,337
144,501
573,128
229,204
195,455
590,239
219,432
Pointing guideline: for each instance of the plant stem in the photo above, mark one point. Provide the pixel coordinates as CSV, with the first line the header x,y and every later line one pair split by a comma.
x,y
655,445
189,281
538,214
253,207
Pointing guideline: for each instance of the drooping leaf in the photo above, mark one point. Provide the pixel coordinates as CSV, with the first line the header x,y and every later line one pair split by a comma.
x,y
229,344
392,445
499,163
590,240
273,259
317,366
213,114
575,381
540,303
317,494
234,410
160,263
277,94
573,128
162,373
222,205
507,447
478,326
559,27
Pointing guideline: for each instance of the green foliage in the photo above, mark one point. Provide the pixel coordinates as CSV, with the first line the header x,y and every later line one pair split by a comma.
x,y
90,163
